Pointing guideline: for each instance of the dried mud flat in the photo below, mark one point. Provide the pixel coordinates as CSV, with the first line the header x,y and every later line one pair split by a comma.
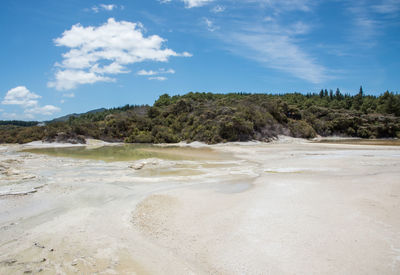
x,y
285,208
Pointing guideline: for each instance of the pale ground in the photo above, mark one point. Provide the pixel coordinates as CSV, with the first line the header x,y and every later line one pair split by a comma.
x,y
282,208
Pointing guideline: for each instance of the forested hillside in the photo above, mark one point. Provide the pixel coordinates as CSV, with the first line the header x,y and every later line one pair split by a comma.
x,y
214,118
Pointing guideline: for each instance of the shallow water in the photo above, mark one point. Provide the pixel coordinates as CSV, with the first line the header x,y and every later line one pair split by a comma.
x,y
129,152
357,141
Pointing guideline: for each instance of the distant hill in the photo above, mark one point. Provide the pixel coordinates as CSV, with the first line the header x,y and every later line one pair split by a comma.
x,y
18,123
66,118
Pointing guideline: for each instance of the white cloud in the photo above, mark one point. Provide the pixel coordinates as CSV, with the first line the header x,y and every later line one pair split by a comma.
x,y
70,79
113,68
144,72
196,3
159,78
108,7
104,7
98,52
169,71
46,110
20,96
186,54
164,1
28,100
154,75
218,9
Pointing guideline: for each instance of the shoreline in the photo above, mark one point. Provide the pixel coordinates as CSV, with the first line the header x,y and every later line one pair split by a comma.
x,y
197,144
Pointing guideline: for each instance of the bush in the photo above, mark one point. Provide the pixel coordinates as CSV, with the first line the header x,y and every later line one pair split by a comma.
x,y
301,129
140,137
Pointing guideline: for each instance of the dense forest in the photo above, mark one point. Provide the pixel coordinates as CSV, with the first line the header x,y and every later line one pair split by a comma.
x,y
214,118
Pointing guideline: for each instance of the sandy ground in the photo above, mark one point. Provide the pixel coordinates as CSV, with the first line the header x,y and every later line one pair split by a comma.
x,y
282,208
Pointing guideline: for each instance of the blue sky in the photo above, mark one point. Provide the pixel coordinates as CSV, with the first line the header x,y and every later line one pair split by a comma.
x,y
60,57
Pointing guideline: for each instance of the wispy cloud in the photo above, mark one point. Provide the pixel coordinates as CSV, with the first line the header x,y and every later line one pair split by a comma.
x,y
155,75
210,25
387,7
364,26
218,9
159,71
278,52
159,78
69,95
271,39
105,7
196,3
98,53
46,110
279,6
189,3
370,19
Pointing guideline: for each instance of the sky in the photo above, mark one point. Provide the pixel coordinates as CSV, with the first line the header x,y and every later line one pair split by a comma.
x,y
62,57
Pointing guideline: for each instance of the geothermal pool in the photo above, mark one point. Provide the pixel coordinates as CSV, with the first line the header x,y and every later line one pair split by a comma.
x,y
289,207
130,152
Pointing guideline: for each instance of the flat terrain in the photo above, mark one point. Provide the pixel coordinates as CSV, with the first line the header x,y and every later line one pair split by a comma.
x,y
289,207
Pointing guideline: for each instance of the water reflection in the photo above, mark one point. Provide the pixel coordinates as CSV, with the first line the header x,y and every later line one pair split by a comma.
x,y
357,141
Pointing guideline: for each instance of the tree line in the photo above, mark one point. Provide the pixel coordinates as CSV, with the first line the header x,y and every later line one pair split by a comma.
x,y
214,118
